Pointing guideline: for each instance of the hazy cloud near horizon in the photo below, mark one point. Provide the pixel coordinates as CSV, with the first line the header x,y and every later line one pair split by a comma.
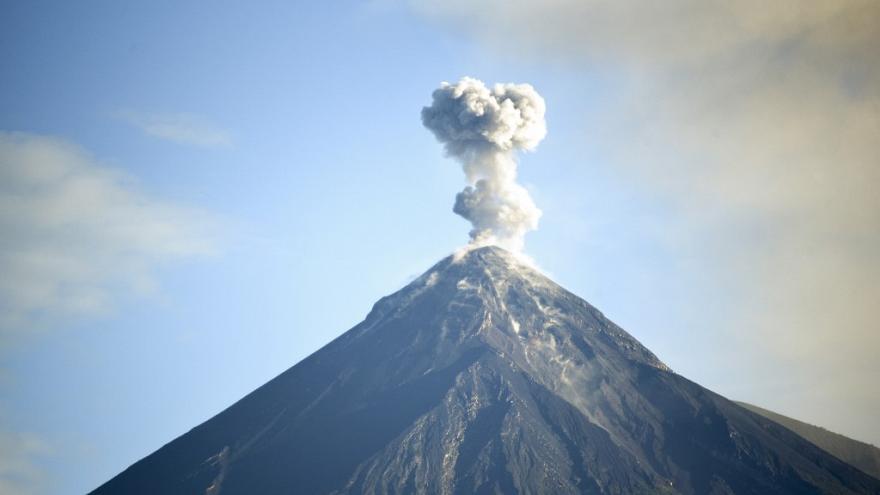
x,y
19,470
77,233
760,122
181,128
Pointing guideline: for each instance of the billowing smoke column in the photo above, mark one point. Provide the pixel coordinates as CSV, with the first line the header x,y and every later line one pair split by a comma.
x,y
483,128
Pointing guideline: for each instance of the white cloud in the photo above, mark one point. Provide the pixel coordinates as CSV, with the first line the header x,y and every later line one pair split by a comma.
x,y
75,234
20,473
181,128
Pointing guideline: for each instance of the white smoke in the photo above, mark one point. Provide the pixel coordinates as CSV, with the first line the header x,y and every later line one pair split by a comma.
x,y
484,128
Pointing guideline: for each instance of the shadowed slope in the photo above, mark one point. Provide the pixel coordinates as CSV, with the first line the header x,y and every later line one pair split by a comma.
x,y
859,454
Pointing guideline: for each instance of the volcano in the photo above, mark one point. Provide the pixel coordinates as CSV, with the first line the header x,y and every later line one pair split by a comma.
x,y
484,376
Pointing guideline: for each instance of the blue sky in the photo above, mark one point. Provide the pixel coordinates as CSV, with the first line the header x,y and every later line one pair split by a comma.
x,y
252,179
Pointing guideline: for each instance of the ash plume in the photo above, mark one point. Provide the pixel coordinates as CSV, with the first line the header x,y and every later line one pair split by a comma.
x,y
483,128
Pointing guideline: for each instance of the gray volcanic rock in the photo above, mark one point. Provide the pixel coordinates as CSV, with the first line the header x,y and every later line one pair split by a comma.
x,y
859,454
483,376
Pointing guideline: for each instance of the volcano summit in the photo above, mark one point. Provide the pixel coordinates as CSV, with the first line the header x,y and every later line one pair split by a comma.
x,y
484,376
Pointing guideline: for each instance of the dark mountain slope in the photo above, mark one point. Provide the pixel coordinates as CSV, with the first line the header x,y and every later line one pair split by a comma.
x,y
483,376
860,454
